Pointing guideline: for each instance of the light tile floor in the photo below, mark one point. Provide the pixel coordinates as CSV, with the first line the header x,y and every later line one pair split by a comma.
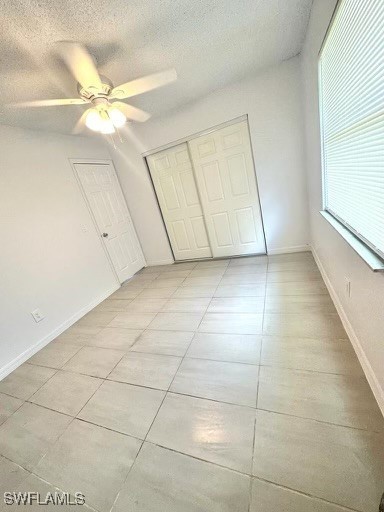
x,y
215,386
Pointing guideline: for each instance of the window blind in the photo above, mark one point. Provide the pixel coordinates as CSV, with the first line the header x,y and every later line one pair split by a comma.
x,y
351,86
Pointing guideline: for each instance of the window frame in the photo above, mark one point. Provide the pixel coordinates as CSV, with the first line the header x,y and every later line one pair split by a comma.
x,y
371,254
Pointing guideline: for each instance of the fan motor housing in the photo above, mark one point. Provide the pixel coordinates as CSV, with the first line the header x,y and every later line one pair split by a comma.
x,y
92,92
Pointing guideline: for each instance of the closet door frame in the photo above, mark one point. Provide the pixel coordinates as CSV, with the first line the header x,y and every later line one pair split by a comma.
x,y
186,140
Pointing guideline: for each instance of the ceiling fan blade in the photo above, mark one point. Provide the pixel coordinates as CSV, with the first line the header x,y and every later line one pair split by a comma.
x,y
144,84
48,103
132,112
81,64
80,125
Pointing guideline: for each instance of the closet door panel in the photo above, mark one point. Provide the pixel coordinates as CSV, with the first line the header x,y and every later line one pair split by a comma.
x,y
175,187
226,180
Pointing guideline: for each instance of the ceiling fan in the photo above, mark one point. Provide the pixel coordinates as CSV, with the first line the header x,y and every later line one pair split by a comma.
x,y
106,113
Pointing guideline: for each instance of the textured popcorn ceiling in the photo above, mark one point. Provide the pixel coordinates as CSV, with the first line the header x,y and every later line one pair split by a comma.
x,y
210,43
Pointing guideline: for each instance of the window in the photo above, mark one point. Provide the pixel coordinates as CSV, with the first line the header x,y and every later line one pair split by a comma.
x,y
351,82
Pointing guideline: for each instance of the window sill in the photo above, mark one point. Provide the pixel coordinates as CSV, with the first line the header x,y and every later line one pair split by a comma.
x,y
366,254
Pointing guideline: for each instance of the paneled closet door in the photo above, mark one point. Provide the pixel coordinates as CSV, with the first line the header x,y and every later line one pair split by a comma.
x,y
175,186
226,180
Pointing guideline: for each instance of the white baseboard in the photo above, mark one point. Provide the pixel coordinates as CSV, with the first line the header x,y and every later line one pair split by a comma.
x,y
286,250
365,364
281,250
24,356
169,261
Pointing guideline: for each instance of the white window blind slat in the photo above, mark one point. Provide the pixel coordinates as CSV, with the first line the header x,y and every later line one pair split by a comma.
x,y
351,84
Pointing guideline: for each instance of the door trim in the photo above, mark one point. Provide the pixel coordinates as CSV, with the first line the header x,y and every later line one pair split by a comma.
x,y
195,135
80,161
257,187
158,206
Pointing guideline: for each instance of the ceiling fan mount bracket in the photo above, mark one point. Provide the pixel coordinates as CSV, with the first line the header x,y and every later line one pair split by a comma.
x,y
100,101
92,92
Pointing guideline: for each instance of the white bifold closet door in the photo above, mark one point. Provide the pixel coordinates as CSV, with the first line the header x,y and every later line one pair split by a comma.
x,y
172,176
226,180
208,195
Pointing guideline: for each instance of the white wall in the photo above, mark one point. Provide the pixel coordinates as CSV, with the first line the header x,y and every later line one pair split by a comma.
x,y
363,312
141,200
272,101
46,260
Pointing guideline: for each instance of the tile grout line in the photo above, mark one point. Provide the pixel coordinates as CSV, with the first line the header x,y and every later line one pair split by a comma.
x,y
312,496
182,359
145,437
161,404
323,422
353,376
171,298
278,367
257,399
293,336
206,312
150,426
31,472
168,299
73,418
126,478
249,475
170,385
19,407
28,400
338,425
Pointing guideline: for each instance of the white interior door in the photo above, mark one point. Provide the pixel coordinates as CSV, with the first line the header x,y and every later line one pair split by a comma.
x,y
226,180
107,204
173,178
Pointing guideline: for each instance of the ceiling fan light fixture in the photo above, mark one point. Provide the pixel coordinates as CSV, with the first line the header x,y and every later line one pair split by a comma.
x,y
117,117
94,121
104,116
99,121
107,127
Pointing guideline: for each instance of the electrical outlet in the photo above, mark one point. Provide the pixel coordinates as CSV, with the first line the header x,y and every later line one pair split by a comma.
x,y
37,315
348,286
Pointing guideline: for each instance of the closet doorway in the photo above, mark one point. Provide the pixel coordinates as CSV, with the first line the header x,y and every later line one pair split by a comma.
x,y
207,191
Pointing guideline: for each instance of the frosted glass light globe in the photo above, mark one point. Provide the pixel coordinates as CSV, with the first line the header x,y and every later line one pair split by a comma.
x,y
117,117
107,127
93,121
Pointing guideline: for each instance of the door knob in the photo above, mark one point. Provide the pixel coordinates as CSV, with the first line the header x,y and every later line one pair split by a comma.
x,y
104,235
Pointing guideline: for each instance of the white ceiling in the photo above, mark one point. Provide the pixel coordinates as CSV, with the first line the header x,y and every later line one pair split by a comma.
x,y
210,43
